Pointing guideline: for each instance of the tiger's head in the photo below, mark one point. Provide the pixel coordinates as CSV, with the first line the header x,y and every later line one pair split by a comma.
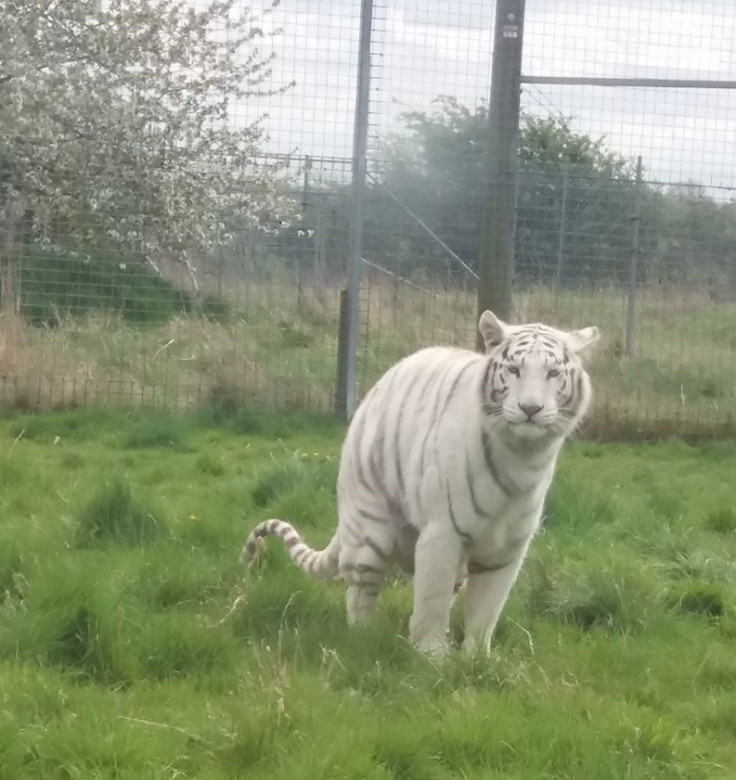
x,y
535,382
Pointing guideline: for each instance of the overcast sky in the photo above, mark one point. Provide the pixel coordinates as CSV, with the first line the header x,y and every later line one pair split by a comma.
x,y
426,48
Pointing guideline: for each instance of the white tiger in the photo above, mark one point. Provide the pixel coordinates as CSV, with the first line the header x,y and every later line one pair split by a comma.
x,y
444,469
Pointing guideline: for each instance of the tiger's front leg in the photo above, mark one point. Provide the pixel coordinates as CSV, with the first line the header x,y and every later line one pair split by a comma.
x,y
486,595
437,559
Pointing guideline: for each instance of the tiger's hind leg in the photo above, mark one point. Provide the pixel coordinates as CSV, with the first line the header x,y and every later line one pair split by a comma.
x,y
360,601
363,566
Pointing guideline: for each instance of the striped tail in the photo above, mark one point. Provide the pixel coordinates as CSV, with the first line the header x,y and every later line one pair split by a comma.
x,y
317,563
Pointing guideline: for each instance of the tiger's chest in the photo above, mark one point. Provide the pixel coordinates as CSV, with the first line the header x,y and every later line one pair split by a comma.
x,y
489,504
495,517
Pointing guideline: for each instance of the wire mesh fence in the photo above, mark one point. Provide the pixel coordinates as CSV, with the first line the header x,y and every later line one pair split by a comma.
x,y
149,257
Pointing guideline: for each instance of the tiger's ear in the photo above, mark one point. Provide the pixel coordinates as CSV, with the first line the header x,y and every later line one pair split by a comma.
x,y
580,340
492,329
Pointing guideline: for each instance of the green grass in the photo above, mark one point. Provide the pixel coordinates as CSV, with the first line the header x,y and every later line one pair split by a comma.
x,y
133,646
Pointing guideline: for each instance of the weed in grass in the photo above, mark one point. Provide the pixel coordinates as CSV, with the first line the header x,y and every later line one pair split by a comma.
x,y
112,514
599,605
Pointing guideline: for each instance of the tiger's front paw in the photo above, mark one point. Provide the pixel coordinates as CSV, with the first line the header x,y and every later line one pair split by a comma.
x,y
475,644
432,646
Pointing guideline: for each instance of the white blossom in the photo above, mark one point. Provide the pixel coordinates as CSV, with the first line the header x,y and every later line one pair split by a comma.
x,y
117,127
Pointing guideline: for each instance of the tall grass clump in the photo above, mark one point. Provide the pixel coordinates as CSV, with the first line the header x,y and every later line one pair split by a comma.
x,y
722,520
297,474
698,598
66,616
616,597
112,514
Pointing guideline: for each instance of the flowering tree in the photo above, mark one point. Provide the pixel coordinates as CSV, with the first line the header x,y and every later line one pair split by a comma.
x,y
116,128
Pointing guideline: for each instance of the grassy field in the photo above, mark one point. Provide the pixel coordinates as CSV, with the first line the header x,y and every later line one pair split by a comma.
x,y
273,342
133,646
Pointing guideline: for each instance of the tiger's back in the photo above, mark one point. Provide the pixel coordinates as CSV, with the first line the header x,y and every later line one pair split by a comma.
x,y
395,433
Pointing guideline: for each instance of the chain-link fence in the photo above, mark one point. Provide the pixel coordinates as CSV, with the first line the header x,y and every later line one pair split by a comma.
x,y
148,258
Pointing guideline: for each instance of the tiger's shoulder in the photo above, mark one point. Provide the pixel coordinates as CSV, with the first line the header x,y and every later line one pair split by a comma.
x,y
433,366
438,356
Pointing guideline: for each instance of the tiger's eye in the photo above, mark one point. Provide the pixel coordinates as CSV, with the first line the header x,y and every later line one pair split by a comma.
x,y
552,373
513,370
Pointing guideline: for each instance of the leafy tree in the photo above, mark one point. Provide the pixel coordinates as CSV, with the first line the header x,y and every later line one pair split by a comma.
x,y
575,207
436,168
549,144
116,131
690,238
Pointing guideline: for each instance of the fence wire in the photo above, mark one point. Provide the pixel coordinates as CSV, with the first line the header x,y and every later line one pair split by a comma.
x,y
146,259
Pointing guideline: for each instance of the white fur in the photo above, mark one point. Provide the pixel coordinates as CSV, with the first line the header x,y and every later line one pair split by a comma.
x,y
444,470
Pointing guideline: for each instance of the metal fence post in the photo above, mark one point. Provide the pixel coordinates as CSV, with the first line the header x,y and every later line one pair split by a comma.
x,y
562,230
347,352
634,260
497,243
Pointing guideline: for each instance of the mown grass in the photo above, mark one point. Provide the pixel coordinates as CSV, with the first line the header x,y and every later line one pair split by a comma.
x,y
132,645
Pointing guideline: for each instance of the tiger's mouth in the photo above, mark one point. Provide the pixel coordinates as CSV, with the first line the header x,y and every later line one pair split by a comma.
x,y
530,427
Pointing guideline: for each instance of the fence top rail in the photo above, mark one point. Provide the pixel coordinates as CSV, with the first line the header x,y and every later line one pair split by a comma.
x,y
599,81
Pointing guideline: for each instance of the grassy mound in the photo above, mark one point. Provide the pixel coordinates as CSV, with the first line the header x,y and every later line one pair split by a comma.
x,y
55,286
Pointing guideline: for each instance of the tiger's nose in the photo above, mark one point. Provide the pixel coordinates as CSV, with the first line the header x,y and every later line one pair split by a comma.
x,y
530,409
